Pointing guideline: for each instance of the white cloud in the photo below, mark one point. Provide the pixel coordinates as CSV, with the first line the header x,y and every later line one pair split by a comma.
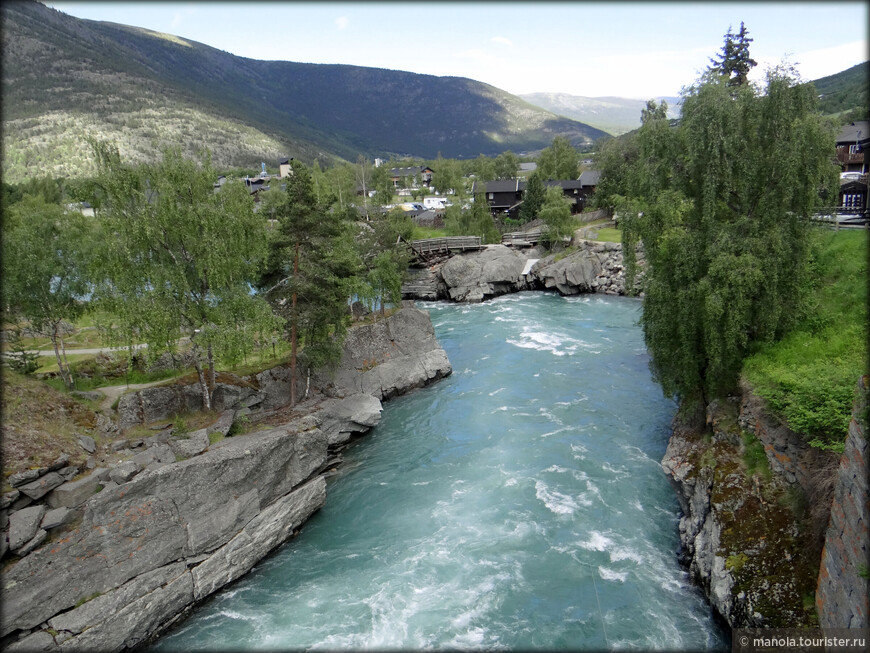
x,y
828,61
478,56
502,40
341,22
179,16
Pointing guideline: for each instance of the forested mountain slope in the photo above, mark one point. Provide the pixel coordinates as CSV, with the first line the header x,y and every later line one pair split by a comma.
x,y
65,79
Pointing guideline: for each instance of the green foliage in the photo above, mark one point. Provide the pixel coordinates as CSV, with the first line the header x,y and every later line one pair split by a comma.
x,y
311,274
506,165
383,264
19,359
180,258
556,215
808,378
845,93
734,62
457,222
46,252
480,222
446,175
721,203
754,456
484,169
239,426
559,161
533,197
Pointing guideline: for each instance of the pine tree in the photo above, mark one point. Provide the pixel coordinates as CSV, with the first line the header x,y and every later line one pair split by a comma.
x,y
311,274
734,61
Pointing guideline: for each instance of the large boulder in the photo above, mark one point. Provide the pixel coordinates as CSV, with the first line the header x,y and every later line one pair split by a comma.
x,y
342,418
388,358
475,276
570,275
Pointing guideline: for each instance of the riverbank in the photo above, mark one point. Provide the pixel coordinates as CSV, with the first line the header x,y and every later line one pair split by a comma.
x,y
177,516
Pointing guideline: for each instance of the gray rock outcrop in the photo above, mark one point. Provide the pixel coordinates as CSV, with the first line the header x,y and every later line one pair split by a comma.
x,y
490,272
109,560
388,358
590,267
343,418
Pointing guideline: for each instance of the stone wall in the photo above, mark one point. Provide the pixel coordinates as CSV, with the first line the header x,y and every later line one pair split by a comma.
x,y
107,560
843,591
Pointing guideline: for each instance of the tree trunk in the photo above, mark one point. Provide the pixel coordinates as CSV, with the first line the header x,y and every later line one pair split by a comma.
x,y
70,383
211,373
60,368
203,382
206,396
293,332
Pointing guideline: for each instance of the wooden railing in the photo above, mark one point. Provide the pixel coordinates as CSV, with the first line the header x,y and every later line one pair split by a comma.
x,y
521,238
839,217
429,247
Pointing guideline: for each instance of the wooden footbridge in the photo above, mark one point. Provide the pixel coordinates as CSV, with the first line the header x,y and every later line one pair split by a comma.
x,y
432,248
522,238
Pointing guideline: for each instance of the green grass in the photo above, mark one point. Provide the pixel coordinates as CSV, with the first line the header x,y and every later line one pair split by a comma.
x,y
809,377
609,235
421,233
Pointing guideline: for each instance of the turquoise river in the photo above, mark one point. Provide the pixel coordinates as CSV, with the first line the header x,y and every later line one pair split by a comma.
x,y
517,504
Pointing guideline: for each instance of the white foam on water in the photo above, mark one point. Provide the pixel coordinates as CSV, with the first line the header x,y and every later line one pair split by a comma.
x,y
557,431
232,614
556,502
622,553
636,505
610,574
596,542
495,392
557,469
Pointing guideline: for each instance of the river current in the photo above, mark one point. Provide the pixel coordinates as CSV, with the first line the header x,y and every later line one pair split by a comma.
x,y
517,504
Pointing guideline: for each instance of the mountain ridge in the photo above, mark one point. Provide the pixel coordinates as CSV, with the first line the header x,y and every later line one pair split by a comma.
x,y
143,89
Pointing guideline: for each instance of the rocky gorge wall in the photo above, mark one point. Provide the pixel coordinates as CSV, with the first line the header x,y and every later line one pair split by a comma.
x,y
475,276
843,591
172,518
752,538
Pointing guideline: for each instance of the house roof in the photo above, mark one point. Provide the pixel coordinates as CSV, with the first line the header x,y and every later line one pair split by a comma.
x,y
500,186
856,132
590,177
564,183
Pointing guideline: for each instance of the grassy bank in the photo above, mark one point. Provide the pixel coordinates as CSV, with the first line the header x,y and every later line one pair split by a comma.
x,y
809,377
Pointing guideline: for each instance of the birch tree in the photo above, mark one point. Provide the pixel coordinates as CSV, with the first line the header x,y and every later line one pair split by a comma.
x,y
178,258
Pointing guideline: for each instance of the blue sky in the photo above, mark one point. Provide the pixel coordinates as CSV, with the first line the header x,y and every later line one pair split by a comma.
x,y
627,49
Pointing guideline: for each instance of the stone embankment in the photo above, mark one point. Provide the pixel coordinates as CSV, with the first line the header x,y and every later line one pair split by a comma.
x,y
106,560
843,591
753,539
589,267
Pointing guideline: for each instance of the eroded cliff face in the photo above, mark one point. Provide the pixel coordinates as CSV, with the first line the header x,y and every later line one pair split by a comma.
x,y
141,542
752,534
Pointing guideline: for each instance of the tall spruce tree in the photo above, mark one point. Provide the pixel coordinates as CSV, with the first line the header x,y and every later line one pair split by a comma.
x,y
734,62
